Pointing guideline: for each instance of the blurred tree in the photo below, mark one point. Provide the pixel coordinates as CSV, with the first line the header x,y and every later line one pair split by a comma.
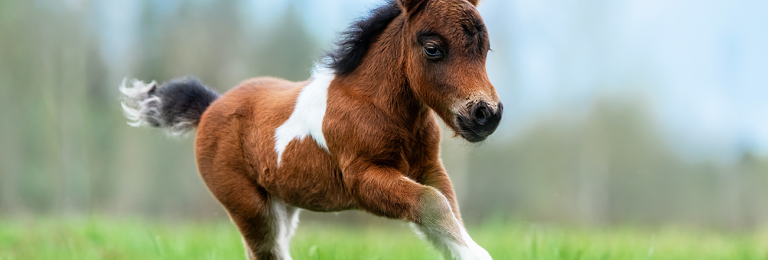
x,y
15,17
289,50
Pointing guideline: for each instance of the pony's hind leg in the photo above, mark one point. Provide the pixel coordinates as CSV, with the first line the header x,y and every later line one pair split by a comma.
x,y
260,217
262,220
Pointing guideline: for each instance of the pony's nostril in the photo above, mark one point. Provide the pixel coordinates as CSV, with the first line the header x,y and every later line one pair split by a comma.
x,y
482,113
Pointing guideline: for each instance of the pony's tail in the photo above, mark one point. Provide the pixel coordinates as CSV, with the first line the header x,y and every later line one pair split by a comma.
x,y
176,106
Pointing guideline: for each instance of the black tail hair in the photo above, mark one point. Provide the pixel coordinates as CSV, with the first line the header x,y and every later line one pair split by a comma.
x,y
176,106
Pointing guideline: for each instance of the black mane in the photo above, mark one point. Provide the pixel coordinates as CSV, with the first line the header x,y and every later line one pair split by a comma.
x,y
354,42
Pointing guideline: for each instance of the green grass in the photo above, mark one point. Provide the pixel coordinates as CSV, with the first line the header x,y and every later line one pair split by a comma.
x,y
112,239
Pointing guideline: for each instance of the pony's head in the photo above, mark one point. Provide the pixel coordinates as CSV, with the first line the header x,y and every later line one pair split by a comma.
x,y
446,44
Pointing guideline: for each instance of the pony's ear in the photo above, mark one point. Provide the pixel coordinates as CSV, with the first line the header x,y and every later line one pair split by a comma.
x,y
410,5
474,2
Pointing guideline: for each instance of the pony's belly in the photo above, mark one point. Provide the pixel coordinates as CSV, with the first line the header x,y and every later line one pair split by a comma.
x,y
307,178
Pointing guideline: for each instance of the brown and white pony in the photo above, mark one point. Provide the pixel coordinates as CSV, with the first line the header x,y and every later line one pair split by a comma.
x,y
360,134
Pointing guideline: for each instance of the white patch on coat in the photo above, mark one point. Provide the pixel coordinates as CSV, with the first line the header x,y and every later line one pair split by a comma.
x,y
307,117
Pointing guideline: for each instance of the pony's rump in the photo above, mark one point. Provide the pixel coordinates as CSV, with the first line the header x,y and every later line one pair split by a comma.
x,y
176,106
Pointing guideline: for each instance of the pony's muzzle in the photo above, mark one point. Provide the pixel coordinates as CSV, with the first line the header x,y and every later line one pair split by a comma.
x,y
480,121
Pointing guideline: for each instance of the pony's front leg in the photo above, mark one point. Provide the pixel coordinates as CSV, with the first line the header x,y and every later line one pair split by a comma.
x,y
387,192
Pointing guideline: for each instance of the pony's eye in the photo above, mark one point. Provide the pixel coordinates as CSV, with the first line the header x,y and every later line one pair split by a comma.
x,y
432,51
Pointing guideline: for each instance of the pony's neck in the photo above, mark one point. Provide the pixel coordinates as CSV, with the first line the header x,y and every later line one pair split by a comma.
x,y
380,78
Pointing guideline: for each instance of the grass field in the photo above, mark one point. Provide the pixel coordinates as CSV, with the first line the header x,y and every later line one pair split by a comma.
x,y
111,239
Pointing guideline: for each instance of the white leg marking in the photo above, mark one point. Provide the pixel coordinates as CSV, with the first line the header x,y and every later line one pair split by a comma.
x,y
288,229
441,227
284,225
307,117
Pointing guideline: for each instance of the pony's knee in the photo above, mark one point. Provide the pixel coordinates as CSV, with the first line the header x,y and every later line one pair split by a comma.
x,y
435,215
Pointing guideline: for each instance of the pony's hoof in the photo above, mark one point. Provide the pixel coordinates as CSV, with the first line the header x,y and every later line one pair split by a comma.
x,y
474,252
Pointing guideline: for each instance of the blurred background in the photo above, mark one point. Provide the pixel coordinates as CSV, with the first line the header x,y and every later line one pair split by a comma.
x,y
618,112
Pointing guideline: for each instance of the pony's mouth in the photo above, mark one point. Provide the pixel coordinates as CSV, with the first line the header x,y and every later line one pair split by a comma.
x,y
480,122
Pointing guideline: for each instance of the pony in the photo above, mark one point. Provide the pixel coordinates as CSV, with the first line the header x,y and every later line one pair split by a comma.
x,y
360,134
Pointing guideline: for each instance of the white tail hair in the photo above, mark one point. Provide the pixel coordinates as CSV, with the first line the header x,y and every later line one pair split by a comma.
x,y
176,107
137,102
